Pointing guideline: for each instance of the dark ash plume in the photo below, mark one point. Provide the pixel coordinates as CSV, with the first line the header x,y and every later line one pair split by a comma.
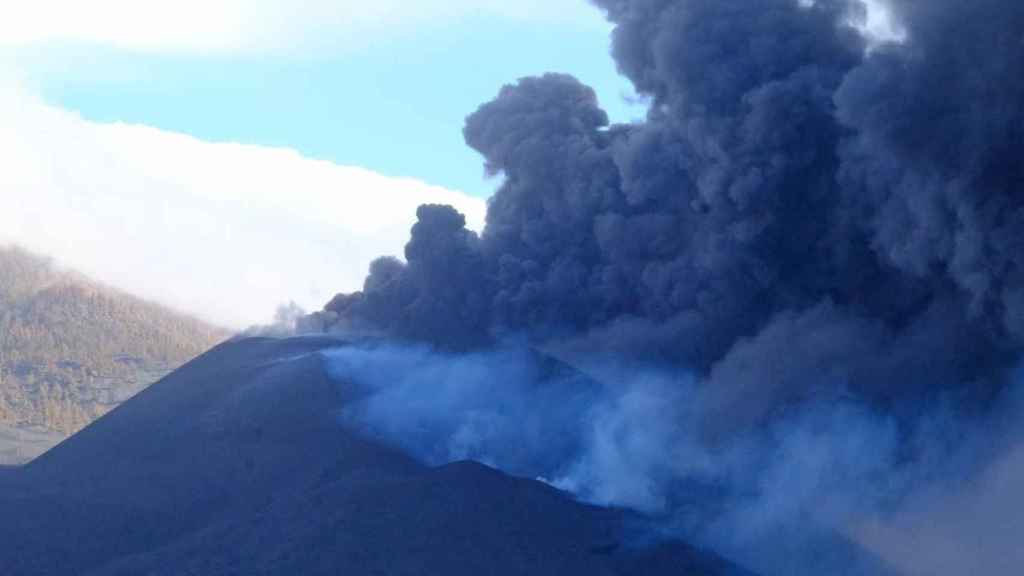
x,y
806,218
791,193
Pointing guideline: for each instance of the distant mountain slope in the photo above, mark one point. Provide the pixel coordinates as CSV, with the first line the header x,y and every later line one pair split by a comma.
x,y
237,464
71,349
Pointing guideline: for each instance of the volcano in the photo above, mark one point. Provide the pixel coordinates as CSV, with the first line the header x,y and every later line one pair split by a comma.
x,y
237,464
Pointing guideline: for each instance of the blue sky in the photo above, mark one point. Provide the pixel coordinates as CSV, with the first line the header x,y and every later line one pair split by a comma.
x,y
227,156
394,104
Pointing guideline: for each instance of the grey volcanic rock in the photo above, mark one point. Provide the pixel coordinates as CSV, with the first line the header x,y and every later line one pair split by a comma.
x,y
236,464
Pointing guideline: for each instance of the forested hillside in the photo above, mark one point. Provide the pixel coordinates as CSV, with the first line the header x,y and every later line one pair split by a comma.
x,y
71,350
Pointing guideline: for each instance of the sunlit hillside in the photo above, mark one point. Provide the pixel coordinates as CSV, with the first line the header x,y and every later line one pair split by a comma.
x,y
71,350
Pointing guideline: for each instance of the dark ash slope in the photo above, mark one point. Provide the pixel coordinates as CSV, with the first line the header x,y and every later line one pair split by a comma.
x,y
236,464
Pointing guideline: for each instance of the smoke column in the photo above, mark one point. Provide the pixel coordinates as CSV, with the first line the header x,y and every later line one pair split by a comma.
x,y
814,244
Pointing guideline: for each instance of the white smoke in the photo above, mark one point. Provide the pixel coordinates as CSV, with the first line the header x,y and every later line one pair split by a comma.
x,y
816,491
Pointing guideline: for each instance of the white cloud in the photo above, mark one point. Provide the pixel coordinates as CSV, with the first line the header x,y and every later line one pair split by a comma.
x,y
880,24
251,25
225,230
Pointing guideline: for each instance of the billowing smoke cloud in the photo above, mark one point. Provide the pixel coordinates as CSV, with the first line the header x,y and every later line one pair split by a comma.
x,y
795,202
822,228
